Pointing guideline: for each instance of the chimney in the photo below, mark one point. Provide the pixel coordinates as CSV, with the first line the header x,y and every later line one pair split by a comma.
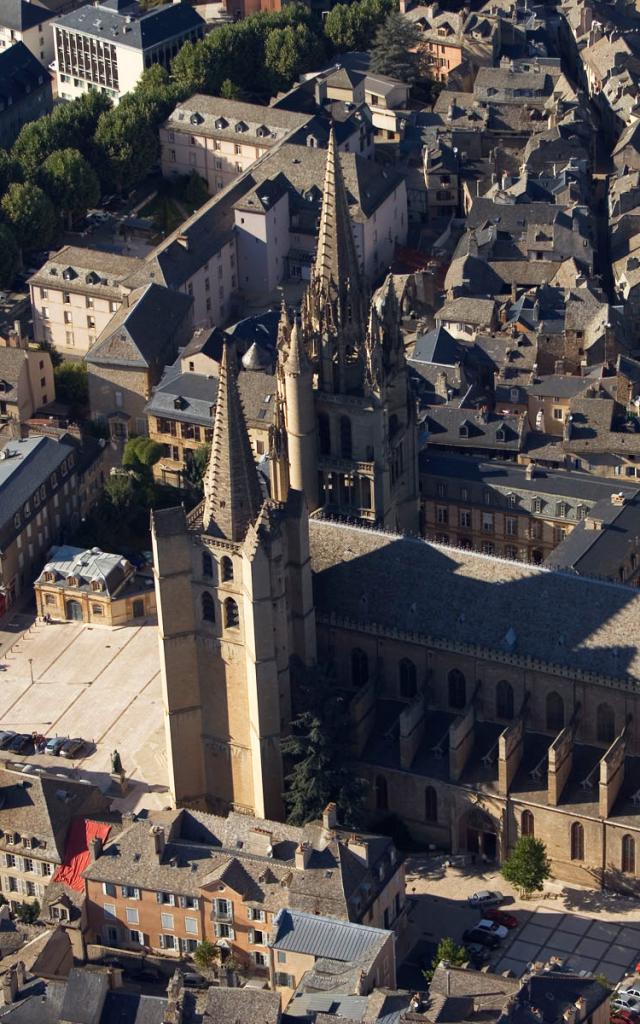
x,y
530,471
330,817
10,986
260,841
303,854
618,499
359,848
183,240
173,1012
95,848
157,841
21,974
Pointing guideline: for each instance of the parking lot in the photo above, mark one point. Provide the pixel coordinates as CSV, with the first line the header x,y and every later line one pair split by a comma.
x,y
101,684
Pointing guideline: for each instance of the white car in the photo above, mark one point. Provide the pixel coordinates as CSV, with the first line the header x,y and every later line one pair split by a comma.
x,y
485,898
634,990
626,1002
491,926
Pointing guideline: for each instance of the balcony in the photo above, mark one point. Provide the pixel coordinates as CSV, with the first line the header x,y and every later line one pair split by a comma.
x,y
222,916
335,464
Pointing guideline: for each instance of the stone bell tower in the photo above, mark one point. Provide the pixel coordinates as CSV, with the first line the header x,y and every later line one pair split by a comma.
x,y
233,586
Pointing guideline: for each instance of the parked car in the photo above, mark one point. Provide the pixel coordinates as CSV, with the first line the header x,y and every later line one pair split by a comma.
x,y
493,928
485,898
481,937
5,738
624,1002
54,745
632,990
624,1017
478,954
501,917
99,216
72,748
20,743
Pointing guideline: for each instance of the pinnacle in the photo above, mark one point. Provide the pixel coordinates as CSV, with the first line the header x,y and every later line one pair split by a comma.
x,y
336,257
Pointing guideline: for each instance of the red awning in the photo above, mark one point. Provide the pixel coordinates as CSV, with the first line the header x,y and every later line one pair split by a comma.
x,y
76,854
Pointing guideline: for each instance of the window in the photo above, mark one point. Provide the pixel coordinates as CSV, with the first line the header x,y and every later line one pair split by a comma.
x,y
442,515
166,921
465,518
207,564
457,689
231,615
557,414
504,699
226,569
527,824
464,493
511,524
191,925
487,522
207,607
324,434
359,667
66,298
108,888
555,711
488,547
628,860
260,959
536,506
136,937
577,841
282,957
382,797
441,490
222,908
430,804
27,864
345,437
10,860
130,892
408,678
605,724
132,915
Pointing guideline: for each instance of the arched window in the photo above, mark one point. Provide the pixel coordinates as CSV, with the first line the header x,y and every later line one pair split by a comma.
x,y
605,723
430,804
207,564
382,797
226,569
208,607
504,699
577,841
231,615
408,678
555,711
457,689
324,434
628,855
359,667
345,437
527,824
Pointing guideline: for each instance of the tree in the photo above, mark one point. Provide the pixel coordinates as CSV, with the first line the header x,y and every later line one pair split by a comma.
x,y
528,866
28,913
197,467
47,346
392,52
72,385
120,496
127,147
70,182
31,215
206,956
10,170
352,26
189,68
288,51
35,142
451,952
195,190
9,256
141,453
317,751
230,91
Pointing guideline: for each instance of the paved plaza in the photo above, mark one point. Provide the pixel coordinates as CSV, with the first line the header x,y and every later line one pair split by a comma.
x,y
604,947
71,679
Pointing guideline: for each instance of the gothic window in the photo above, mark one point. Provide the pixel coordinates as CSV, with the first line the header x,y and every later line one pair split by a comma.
x,y
226,569
527,824
208,607
628,855
345,437
577,841
207,564
504,699
430,804
408,678
359,667
382,797
457,689
605,724
231,614
555,711
324,434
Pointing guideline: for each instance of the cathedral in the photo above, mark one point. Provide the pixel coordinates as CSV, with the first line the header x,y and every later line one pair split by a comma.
x,y
487,698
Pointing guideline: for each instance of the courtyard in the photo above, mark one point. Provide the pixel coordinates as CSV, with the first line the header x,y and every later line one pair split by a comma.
x,y
101,684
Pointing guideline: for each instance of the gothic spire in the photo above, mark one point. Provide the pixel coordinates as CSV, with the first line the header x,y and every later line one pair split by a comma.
x,y
232,489
336,264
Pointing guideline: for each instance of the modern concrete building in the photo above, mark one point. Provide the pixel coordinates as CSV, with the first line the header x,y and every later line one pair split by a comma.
x,y
108,45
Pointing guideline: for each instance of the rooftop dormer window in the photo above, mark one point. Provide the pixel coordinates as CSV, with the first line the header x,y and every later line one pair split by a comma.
x,y
69,274
196,118
221,122
241,126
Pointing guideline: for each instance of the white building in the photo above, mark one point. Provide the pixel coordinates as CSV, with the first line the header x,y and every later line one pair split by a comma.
x,y
108,45
28,23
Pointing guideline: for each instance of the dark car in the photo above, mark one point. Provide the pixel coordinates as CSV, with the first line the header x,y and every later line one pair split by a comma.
x,y
501,917
54,744
5,738
20,743
72,748
481,938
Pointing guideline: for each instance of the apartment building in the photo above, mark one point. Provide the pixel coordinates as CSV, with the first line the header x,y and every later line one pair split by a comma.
x,y
108,45
178,877
26,380
36,815
38,499
25,91
518,512
219,139
75,294
30,23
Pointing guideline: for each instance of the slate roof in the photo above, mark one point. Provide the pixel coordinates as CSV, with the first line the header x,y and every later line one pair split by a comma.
x,y
131,26
142,334
22,473
490,991
470,311
552,994
441,595
88,566
601,552
439,347
85,995
203,115
465,428
90,271
241,1006
325,937
20,16
191,397
12,363
20,74
560,385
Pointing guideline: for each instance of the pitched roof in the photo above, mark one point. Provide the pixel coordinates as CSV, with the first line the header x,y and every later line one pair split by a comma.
x,y
232,489
317,936
20,74
131,26
25,465
216,117
21,15
241,1006
143,332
